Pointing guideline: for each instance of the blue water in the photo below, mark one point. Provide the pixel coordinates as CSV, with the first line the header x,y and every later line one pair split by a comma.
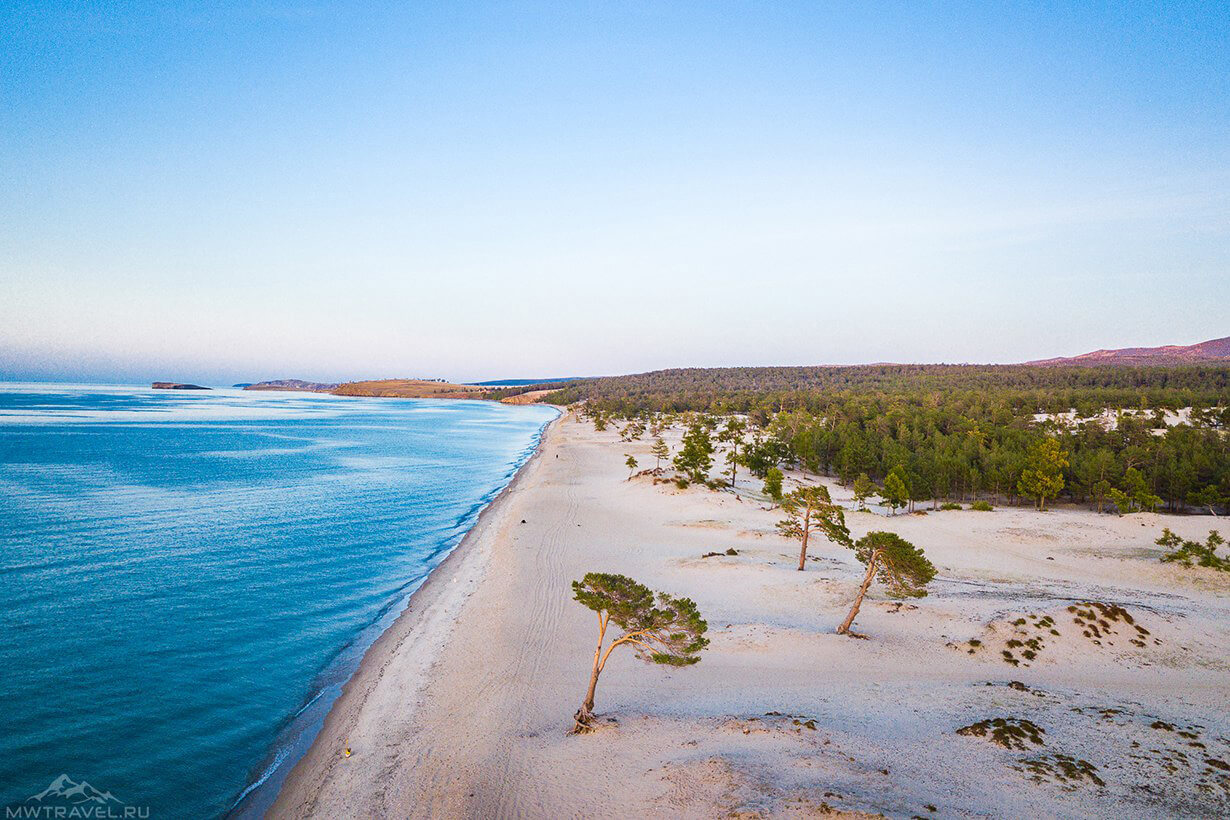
x,y
188,577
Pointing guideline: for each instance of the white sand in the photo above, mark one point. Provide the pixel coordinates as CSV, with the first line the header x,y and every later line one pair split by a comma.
x,y
461,708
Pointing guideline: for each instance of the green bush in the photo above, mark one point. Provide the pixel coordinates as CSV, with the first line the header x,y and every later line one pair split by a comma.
x,y
981,506
682,483
773,484
950,505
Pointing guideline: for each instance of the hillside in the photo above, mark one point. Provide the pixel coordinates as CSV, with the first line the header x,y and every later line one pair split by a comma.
x,y
1214,350
1018,388
410,389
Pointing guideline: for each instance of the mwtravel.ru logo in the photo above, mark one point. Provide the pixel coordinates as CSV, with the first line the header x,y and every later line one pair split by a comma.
x,y
75,801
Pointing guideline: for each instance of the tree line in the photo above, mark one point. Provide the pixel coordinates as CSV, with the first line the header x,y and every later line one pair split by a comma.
x,y
955,433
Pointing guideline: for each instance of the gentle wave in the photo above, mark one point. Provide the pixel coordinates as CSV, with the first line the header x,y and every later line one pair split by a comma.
x,y
191,578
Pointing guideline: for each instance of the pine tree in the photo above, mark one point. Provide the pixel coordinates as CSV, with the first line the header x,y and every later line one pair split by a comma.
x,y
695,456
660,450
811,509
1043,478
863,489
661,628
630,463
894,494
897,563
773,484
1190,553
732,434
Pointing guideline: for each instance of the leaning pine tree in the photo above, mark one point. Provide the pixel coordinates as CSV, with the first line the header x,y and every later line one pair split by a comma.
x,y
661,628
811,509
900,565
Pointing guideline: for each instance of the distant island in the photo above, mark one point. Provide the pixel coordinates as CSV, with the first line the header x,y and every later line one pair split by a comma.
x,y
291,384
177,386
387,388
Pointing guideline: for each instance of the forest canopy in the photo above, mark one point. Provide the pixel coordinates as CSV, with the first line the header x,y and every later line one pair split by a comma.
x,y
965,431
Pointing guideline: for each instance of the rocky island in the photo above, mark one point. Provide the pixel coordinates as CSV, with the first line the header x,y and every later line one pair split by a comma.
x,y
177,386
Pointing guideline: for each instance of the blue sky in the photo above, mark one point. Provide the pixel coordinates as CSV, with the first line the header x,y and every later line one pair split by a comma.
x,y
237,191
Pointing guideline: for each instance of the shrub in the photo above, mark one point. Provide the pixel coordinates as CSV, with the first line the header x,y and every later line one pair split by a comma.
x,y
773,484
950,505
682,483
1189,553
981,506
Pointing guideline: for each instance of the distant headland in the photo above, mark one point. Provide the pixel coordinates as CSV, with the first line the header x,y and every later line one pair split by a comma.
x,y
292,384
177,386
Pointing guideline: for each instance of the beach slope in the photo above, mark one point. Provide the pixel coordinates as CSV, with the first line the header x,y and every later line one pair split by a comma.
x,y
462,708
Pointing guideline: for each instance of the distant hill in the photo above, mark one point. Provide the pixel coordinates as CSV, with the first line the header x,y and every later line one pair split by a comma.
x,y
1214,350
410,389
525,382
293,384
176,386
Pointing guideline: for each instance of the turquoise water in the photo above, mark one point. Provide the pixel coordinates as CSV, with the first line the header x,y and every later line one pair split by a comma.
x,y
188,577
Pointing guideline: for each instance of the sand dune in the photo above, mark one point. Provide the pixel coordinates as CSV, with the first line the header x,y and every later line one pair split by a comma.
x,y
461,709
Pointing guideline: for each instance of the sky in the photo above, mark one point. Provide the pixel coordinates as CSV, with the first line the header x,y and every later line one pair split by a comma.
x,y
218,192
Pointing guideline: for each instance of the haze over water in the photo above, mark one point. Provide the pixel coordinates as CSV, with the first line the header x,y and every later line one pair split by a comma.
x,y
183,572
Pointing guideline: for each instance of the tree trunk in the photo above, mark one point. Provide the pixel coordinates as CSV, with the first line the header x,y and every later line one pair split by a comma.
x,y
806,532
858,602
583,720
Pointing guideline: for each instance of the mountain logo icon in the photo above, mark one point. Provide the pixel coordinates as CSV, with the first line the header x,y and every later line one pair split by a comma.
x,y
64,791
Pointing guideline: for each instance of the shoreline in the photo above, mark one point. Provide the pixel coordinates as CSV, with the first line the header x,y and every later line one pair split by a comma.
x,y
424,617
462,708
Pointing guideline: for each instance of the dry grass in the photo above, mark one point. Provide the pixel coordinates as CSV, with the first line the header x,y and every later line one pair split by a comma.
x,y
410,389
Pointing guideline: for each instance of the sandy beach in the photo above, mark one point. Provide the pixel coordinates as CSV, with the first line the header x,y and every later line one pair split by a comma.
x,y
461,708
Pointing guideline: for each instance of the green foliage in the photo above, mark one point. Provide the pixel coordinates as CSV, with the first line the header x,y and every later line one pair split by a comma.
x,y
895,495
811,509
951,505
633,430
864,488
1189,553
630,463
773,484
900,565
695,455
959,432
981,506
1208,497
1135,495
764,454
659,451
732,437
1043,477
664,629
757,390
1100,490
